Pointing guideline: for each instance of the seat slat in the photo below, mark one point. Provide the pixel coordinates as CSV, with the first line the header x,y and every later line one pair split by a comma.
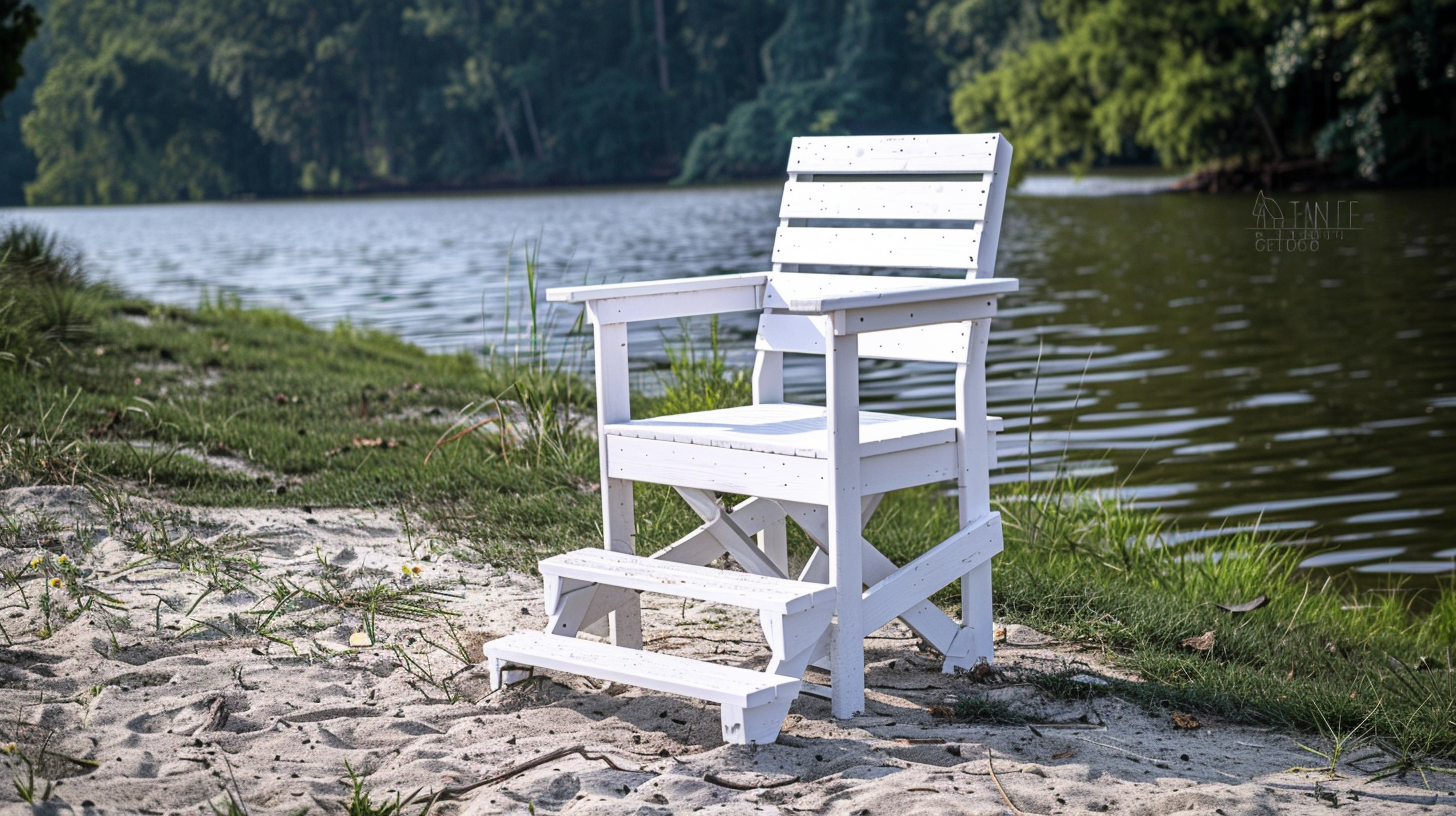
x,y
919,200
949,153
787,429
687,581
905,248
725,685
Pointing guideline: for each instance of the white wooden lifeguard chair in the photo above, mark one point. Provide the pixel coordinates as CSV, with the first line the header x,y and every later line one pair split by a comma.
x,y
824,467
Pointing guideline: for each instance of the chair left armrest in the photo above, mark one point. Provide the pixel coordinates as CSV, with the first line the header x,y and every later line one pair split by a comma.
x,y
666,299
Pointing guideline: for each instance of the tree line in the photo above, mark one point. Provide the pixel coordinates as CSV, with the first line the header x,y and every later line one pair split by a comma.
x,y
160,100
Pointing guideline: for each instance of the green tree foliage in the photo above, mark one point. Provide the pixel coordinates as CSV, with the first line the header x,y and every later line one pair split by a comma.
x,y
151,100
158,100
1366,88
127,111
17,164
861,66
19,23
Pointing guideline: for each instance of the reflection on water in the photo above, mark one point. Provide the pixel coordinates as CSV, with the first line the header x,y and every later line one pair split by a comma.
x,y
1153,347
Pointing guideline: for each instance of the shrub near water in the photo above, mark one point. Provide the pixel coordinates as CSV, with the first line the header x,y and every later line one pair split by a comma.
x,y
44,302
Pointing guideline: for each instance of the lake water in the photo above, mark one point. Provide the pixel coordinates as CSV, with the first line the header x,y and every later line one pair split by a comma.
x,y
1160,343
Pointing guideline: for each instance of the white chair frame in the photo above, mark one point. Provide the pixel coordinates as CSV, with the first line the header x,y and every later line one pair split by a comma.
x,y
833,492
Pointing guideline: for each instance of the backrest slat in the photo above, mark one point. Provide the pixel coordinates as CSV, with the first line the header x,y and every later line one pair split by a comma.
x,y
908,248
912,200
952,153
946,191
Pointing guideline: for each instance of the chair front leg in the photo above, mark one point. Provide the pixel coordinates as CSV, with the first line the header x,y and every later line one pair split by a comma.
x,y
618,530
845,568
977,453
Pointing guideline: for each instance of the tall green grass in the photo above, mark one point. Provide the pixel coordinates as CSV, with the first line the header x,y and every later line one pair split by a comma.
x,y
46,306
1322,656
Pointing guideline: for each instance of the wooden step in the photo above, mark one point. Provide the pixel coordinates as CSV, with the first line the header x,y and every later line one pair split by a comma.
x,y
768,594
754,704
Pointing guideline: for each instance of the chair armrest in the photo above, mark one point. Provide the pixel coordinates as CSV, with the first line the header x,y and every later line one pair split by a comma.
x,y
862,303
671,286
665,299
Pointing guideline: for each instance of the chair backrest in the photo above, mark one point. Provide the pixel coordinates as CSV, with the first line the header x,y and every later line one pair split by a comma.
x,y
904,202
872,191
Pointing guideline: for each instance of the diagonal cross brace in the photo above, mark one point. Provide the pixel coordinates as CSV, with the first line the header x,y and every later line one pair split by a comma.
x,y
922,616
701,547
722,526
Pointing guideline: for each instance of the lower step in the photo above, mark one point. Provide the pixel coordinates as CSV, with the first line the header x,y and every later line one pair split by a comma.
x,y
754,704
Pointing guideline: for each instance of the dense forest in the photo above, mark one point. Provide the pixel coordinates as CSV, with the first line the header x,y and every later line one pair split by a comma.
x,y
159,100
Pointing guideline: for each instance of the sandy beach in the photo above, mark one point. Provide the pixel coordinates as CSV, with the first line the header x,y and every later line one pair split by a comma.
x,y
178,688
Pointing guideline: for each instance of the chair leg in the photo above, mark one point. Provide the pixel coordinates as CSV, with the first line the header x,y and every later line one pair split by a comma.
x,y
774,541
503,673
841,368
759,725
977,452
973,644
618,529
567,601
797,639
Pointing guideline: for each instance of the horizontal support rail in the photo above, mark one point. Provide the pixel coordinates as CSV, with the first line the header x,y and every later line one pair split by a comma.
x,y
805,334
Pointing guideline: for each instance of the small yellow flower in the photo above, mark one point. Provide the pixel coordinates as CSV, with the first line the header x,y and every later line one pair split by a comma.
x,y
8,748
56,582
35,562
404,568
63,560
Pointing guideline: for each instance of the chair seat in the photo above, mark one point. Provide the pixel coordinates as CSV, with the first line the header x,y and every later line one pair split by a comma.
x,y
787,429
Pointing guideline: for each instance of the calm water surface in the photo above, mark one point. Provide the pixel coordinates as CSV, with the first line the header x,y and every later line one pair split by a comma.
x,y
1157,343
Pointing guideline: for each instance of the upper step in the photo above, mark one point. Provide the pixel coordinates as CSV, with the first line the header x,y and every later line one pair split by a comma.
x,y
725,685
743,589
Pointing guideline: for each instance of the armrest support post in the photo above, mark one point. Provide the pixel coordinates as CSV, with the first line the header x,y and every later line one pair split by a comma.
x,y
618,524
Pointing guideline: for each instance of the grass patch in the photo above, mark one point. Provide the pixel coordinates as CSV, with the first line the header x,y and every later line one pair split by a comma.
x,y
227,405
224,405
1324,658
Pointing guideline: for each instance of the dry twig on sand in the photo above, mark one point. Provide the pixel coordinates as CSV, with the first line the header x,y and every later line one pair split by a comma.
x,y
992,768
446,794
728,783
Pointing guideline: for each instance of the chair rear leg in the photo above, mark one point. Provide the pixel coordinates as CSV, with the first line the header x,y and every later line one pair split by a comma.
x,y
774,541
973,644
